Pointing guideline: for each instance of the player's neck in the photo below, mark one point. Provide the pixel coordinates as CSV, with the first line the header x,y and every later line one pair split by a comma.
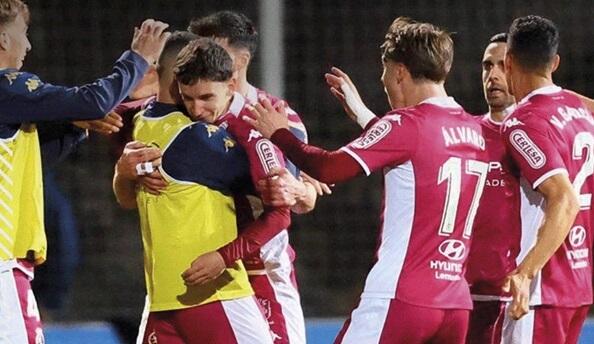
x,y
497,115
243,85
164,96
527,83
423,91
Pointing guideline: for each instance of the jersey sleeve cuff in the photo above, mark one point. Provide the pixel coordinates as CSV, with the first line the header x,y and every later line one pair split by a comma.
x,y
357,159
135,58
546,176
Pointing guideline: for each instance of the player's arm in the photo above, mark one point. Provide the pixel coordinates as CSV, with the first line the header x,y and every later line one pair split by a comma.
x,y
25,98
60,138
282,189
262,156
127,172
540,162
561,208
397,144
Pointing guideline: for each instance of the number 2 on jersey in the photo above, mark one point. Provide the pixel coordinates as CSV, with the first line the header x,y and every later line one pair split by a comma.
x,y
451,172
583,140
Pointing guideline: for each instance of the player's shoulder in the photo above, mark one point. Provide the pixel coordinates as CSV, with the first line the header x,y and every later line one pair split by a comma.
x,y
201,135
524,116
12,80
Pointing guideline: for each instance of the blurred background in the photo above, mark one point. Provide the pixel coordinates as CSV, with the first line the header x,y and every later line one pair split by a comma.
x,y
96,246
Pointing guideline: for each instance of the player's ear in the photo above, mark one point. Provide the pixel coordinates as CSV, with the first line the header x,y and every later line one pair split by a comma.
x,y
232,83
556,61
242,59
4,41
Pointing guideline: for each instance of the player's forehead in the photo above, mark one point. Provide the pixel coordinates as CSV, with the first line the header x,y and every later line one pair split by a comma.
x,y
203,87
495,52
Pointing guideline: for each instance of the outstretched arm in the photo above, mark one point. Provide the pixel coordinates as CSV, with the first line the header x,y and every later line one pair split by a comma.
x,y
327,167
25,98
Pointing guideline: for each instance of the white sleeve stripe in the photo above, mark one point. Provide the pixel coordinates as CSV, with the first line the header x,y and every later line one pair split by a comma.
x,y
358,159
551,173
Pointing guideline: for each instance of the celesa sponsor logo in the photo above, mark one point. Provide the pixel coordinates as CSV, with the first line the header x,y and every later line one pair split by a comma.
x,y
527,148
377,132
452,249
265,150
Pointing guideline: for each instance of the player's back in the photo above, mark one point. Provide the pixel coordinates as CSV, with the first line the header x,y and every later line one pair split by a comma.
x,y
431,198
552,132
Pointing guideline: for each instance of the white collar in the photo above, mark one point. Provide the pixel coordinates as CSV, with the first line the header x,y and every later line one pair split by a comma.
x,y
252,94
237,104
543,90
447,102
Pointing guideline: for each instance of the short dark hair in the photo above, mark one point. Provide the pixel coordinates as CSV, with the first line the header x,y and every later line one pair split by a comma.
x,y
238,29
10,9
499,38
203,59
533,41
176,42
426,50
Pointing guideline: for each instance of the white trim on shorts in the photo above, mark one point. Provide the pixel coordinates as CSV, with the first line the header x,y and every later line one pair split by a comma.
x,y
146,311
247,321
279,267
518,331
12,322
367,321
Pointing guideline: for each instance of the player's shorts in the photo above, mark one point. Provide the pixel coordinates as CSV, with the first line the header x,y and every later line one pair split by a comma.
x,y
19,317
392,321
275,288
486,322
545,325
238,321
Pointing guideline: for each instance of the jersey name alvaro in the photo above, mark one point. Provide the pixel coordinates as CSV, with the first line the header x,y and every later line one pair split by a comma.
x,y
433,160
551,133
496,234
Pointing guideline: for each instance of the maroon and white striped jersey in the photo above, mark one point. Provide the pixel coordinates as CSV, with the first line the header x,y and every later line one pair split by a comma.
x,y
434,164
551,132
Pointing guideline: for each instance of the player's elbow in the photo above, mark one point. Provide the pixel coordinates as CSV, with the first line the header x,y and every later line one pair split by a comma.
x,y
572,206
568,207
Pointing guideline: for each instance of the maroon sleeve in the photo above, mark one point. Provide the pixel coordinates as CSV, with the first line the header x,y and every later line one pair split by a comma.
x,y
262,156
256,234
325,166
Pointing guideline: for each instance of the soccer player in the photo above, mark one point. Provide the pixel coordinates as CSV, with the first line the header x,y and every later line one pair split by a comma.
x,y
550,137
272,275
204,74
24,100
194,214
432,155
497,227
